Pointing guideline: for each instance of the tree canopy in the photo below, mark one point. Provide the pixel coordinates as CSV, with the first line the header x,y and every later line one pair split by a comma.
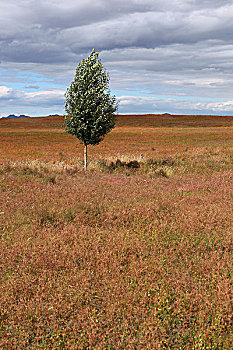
x,y
89,106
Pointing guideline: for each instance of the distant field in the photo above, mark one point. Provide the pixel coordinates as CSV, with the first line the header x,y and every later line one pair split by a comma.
x,y
146,120
134,254
177,121
142,135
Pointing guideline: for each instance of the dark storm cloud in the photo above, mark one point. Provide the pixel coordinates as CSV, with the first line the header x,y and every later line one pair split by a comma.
x,y
55,31
151,29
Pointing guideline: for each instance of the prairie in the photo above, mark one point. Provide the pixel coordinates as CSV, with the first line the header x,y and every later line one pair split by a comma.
x,y
134,254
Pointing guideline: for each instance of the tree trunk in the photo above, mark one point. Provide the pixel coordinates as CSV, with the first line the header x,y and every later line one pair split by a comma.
x,y
85,157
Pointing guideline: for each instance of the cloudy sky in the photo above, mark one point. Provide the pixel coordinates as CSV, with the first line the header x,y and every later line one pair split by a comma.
x,y
162,56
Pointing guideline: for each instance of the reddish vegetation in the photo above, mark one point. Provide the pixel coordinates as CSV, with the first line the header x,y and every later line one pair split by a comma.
x,y
120,257
177,121
144,120
45,139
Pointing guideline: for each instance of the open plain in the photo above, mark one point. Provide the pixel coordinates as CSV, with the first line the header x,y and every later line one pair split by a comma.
x,y
136,253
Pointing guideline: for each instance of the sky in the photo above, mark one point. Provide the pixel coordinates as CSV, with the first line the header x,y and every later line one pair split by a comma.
x,y
162,56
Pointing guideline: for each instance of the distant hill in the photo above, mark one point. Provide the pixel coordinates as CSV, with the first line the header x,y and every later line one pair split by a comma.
x,y
16,116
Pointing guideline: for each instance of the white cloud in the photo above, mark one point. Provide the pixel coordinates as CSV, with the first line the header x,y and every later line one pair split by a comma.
x,y
48,94
34,103
5,91
141,104
221,106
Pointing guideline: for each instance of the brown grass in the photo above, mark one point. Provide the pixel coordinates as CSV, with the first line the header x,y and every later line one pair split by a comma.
x,y
122,257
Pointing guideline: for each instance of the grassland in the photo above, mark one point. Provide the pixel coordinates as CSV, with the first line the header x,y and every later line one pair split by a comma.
x,y
130,255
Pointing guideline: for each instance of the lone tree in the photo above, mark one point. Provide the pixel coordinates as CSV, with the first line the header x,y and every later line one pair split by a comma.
x,y
89,106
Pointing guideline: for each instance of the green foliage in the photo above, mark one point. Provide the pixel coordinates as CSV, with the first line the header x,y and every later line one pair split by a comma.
x,y
89,105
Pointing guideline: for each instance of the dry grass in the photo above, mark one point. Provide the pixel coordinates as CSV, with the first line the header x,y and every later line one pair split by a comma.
x,y
122,257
